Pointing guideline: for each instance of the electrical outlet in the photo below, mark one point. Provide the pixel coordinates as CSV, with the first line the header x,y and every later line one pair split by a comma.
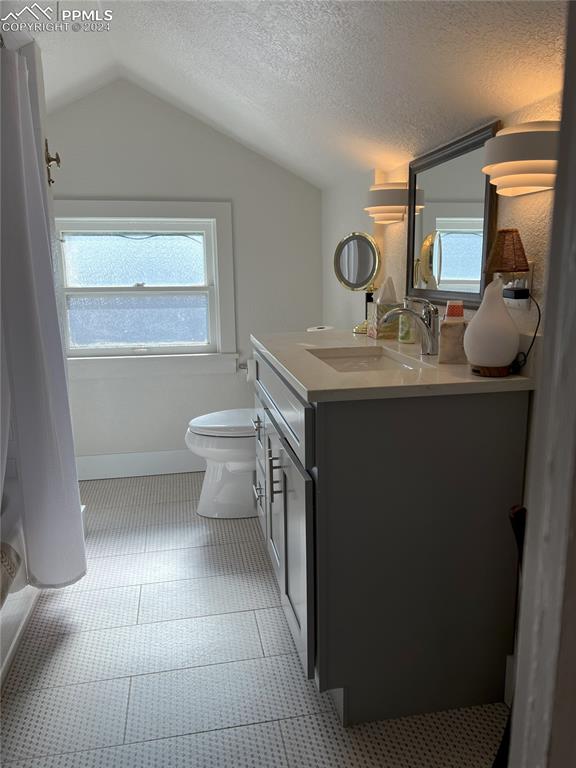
x,y
522,302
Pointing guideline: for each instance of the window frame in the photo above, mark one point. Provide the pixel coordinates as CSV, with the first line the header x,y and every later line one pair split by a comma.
x,y
213,219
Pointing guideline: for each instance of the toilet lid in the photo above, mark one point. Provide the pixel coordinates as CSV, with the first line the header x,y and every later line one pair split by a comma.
x,y
236,423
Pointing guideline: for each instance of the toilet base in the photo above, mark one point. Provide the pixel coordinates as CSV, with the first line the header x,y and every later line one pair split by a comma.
x,y
227,491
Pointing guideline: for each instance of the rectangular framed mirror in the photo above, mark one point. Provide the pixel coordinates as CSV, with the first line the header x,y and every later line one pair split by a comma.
x,y
450,235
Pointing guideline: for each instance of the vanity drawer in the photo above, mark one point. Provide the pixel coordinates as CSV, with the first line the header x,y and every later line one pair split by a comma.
x,y
294,417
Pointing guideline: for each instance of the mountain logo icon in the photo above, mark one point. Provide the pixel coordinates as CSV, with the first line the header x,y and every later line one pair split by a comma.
x,y
37,11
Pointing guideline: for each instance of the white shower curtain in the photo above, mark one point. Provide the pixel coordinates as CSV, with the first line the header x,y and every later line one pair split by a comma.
x,y
35,367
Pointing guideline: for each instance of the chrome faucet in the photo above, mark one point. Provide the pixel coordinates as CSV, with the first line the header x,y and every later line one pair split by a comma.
x,y
428,322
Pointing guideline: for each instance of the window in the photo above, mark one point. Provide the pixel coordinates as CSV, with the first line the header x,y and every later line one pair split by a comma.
x,y
459,259
140,286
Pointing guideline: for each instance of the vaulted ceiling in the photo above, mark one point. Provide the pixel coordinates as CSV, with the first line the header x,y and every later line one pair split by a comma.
x,y
323,86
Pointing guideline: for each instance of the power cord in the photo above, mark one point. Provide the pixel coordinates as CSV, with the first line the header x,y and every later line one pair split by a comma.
x,y
522,357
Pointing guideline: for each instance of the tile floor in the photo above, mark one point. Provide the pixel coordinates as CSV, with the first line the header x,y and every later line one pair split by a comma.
x,y
173,653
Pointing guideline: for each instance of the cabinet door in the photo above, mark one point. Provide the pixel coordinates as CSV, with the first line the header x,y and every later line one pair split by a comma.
x,y
260,429
260,495
275,501
298,592
260,476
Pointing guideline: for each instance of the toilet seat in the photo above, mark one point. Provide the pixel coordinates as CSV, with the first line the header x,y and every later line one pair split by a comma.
x,y
234,423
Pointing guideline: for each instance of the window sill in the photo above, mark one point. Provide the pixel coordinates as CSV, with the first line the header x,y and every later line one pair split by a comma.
x,y
137,366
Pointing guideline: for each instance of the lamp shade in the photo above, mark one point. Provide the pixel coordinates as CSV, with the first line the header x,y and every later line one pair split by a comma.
x,y
507,254
522,159
387,203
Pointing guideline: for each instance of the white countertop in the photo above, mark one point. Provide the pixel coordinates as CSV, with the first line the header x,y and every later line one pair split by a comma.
x,y
315,380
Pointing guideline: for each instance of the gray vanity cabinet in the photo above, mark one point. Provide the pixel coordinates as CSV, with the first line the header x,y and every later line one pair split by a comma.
x,y
275,541
298,583
260,494
289,505
290,540
260,474
387,526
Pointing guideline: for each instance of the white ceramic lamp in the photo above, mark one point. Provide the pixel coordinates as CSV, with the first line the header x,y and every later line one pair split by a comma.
x,y
492,340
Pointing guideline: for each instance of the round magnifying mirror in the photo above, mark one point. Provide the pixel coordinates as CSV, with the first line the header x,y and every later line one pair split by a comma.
x,y
356,261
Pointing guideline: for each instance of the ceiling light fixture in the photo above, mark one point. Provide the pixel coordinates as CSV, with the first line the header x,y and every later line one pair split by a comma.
x,y
521,159
387,203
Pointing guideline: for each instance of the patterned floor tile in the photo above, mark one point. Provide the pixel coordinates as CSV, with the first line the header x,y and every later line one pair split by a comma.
x,y
118,541
172,565
208,597
64,719
125,492
251,746
174,525
213,595
274,632
464,738
225,695
201,532
133,518
62,611
65,659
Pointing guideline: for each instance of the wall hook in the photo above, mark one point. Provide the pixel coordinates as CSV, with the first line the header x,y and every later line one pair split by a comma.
x,y
50,161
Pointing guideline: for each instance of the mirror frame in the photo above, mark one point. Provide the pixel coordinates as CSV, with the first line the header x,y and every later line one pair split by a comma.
x,y
374,246
455,148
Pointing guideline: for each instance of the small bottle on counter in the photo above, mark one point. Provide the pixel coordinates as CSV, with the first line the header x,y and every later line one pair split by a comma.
x,y
370,308
452,329
407,333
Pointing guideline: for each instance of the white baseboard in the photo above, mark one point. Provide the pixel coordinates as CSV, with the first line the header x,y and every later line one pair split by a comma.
x,y
137,464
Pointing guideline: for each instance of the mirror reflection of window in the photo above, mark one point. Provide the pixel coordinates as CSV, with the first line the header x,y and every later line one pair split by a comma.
x,y
458,259
454,216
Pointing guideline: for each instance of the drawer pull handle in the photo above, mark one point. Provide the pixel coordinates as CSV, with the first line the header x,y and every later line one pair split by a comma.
x,y
258,493
274,490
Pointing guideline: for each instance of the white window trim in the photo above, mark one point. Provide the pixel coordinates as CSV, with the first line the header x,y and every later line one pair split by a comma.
x,y
204,226
105,212
474,225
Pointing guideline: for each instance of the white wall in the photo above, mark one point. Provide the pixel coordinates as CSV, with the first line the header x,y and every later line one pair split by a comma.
x,y
120,142
342,211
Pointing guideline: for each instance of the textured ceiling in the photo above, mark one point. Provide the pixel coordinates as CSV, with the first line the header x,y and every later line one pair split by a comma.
x,y
323,87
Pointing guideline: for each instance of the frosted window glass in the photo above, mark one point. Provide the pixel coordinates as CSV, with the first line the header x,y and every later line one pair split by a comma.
x,y
126,258
461,255
123,320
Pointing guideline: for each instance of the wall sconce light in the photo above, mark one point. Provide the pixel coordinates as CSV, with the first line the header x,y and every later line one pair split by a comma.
x,y
521,159
387,203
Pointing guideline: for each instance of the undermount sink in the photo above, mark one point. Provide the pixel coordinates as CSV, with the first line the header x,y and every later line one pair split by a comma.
x,y
358,359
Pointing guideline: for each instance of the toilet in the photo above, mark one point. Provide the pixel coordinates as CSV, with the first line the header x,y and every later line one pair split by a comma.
x,y
227,441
